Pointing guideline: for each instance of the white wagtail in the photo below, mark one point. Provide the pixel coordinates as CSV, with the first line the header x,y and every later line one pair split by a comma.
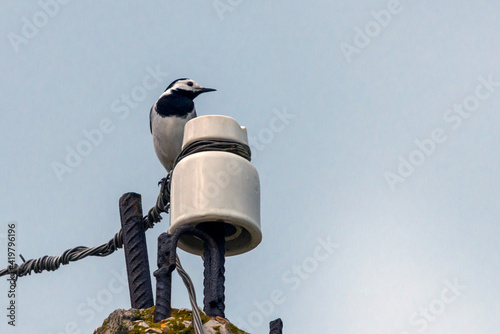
x,y
169,115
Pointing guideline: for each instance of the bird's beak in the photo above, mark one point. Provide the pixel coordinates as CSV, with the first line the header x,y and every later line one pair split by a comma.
x,y
206,90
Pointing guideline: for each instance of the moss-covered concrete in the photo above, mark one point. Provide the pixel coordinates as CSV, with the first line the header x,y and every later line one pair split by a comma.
x,y
135,321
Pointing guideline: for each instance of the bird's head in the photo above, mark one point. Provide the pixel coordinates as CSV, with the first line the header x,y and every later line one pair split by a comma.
x,y
187,87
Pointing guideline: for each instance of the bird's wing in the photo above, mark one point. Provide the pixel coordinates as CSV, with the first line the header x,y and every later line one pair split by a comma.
x,y
150,117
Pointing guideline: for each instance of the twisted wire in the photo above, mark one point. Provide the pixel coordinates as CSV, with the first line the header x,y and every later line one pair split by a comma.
x,y
215,145
197,323
52,263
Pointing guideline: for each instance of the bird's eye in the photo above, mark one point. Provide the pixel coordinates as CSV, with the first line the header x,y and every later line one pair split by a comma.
x,y
190,83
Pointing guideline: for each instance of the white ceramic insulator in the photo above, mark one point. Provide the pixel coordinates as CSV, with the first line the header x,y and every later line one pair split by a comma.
x,y
214,127
216,186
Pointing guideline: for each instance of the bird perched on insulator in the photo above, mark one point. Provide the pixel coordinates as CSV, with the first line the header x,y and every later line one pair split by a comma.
x,y
174,108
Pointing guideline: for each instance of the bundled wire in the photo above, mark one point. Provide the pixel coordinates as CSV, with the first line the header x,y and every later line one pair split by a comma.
x,y
197,323
215,145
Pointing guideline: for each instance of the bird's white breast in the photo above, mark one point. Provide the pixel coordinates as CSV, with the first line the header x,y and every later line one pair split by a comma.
x,y
167,136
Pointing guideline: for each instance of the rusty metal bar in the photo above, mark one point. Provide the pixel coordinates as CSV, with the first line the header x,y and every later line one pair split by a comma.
x,y
136,252
213,282
213,274
276,326
163,276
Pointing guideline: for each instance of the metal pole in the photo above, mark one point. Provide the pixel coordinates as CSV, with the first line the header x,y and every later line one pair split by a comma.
x,y
136,252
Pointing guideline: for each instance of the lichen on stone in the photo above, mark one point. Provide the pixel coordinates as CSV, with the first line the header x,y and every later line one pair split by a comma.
x,y
139,321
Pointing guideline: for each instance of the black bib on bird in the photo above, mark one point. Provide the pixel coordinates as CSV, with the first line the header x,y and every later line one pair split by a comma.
x,y
174,105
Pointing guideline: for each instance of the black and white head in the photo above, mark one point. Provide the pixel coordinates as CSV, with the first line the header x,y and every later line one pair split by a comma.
x,y
187,88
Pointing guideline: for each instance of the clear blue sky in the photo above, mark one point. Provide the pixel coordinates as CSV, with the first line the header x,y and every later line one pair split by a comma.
x,y
374,127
